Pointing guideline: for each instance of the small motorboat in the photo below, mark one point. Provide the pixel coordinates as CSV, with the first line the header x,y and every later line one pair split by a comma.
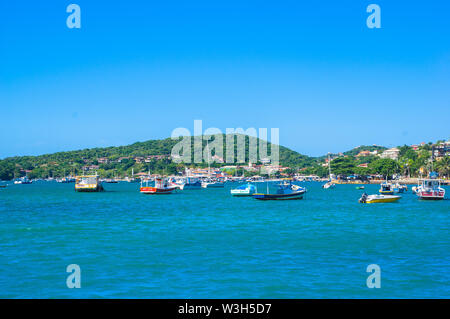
x,y
285,191
162,186
213,184
244,190
359,187
23,180
430,189
378,198
328,185
386,189
399,188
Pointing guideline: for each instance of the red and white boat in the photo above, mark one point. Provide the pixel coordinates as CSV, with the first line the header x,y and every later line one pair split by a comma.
x,y
162,186
430,189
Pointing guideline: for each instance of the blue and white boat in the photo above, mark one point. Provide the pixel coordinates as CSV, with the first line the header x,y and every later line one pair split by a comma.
x,y
191,183
23,180
285,191
399,188
244,190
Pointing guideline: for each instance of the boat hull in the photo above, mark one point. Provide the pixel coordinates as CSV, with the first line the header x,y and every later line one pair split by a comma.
x,y
371,199
88,189
156,191
431,195
291,196
385,200
241,193
214,185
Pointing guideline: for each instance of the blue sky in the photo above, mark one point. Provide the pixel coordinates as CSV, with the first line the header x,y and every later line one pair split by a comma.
x,y
136,70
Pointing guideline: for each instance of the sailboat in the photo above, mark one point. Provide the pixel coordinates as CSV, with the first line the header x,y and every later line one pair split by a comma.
x,y
210,182
329,184
132,179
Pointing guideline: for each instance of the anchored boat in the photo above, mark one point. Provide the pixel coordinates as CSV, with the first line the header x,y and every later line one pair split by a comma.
x,y
162,186
400,188
285,191
329,184
191,183
386,189
23,180
88,183
369,199
430,189
213,184
244,190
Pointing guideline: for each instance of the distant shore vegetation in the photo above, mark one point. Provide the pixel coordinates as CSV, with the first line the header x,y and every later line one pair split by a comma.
x,y
154,156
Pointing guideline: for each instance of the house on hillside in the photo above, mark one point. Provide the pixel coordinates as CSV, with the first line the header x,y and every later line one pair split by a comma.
x,y
391,153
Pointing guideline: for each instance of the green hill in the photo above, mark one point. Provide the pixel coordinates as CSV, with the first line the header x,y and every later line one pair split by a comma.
x,y
153,155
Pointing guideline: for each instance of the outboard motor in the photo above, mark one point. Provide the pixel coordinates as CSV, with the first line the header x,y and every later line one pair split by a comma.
x,y
363,198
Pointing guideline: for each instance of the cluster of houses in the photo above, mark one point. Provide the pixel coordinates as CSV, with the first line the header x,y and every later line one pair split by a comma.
x,y
439,151
137,159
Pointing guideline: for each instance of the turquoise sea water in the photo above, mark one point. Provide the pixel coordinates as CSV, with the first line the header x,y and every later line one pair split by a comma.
x,y
207,244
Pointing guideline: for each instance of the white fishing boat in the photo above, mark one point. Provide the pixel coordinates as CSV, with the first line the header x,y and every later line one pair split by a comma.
x,y
430,189
244,190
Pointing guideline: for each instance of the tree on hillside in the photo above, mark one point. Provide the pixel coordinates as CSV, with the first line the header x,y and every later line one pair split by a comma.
x,y
385,166
343,166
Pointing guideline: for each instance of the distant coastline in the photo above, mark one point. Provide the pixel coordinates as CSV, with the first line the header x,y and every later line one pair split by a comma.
x,y
154,156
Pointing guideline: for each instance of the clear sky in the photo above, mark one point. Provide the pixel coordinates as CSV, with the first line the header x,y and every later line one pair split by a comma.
x,y
136,70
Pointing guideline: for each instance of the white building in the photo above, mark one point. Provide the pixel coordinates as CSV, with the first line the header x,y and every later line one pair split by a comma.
x,y
391,153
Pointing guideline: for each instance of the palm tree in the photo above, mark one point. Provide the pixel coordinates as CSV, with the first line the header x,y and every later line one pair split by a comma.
x,y
443,166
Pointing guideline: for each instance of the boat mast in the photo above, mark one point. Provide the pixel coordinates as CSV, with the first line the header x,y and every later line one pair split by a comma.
x,y
209,166
329,166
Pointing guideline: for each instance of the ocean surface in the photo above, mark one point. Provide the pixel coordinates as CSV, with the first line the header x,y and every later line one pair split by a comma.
x,y
207,244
